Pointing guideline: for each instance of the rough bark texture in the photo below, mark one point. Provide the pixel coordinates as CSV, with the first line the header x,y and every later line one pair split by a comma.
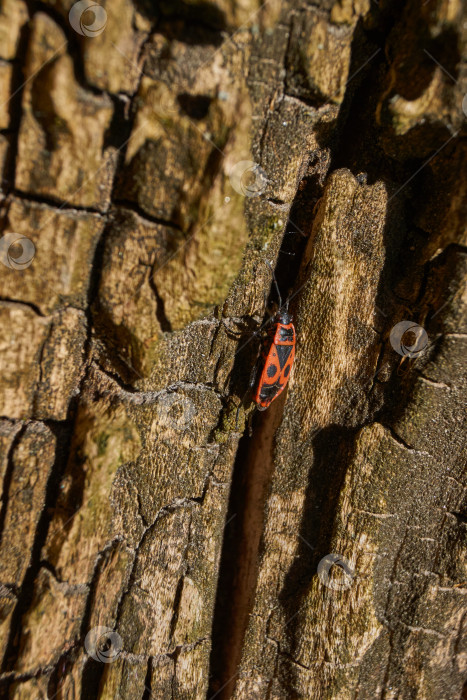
x,y
131,499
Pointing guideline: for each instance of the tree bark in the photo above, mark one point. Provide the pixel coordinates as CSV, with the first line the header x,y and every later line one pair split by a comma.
x,y
153,159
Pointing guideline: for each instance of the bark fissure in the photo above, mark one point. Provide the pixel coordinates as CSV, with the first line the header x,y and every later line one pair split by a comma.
x,y
21,428
63,436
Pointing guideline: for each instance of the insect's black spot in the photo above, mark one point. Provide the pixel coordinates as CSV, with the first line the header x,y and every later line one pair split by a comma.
x,y
286,371
286,334
271,371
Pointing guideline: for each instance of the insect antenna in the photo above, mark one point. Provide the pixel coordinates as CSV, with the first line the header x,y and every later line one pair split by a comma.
x,y
275,282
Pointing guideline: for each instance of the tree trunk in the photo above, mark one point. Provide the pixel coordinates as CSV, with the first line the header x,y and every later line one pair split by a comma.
x,y
153,159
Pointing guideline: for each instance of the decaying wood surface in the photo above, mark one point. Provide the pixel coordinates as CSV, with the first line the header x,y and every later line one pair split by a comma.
x,y
155,158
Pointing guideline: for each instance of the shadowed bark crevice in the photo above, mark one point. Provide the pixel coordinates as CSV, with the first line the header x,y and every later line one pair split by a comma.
x,y
63,435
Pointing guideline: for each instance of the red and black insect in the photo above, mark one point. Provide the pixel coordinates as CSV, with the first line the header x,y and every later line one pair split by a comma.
x,y
278,356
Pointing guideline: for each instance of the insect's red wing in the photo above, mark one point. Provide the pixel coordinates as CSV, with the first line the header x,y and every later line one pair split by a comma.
x,y
276,370
266,390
